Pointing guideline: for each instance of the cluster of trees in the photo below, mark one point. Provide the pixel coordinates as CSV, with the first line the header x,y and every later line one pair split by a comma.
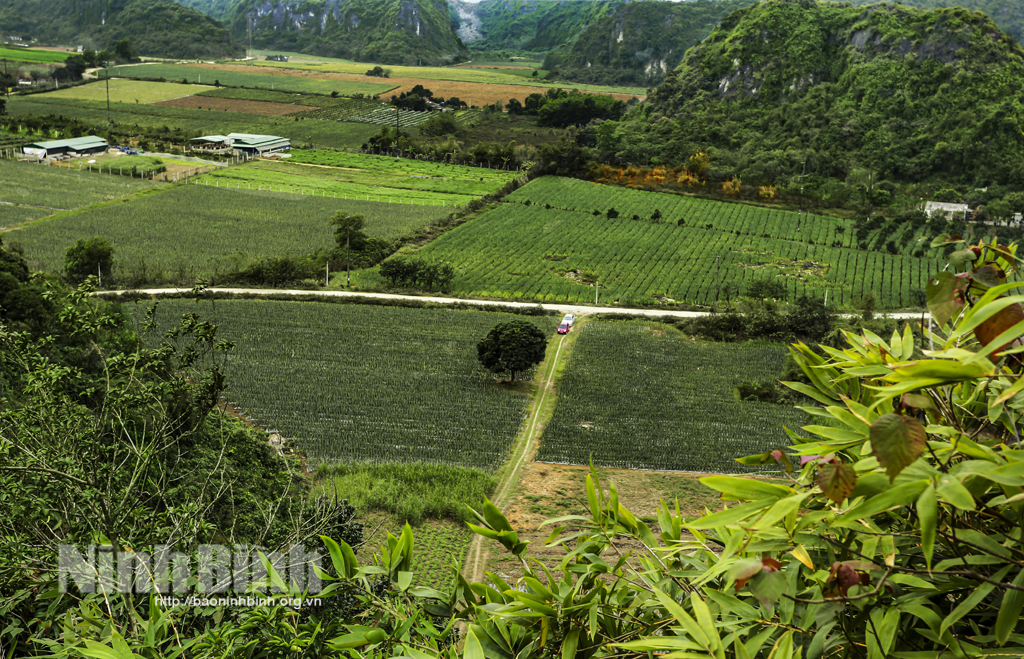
x,y
415,273
122,52
561,108
488,154
379,72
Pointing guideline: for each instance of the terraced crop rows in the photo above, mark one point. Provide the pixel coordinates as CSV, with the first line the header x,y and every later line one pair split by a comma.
x,y
533,253
386,117
640,395
368,383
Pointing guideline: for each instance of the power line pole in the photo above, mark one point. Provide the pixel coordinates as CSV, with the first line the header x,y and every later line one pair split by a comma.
x,y
348,254
108,100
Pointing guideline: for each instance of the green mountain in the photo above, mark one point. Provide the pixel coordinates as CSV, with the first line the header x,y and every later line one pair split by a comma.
x,y
159,28
532,25
385,31
900,93
642,41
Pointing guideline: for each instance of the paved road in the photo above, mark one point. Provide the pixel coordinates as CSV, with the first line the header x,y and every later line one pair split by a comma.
x,y
560,308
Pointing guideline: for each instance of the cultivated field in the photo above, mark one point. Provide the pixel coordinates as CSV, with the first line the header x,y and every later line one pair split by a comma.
x,y
126,90
206,121
53,189
487,76
377,186
463,179
640,395
236,76
369,383
530,252
201,102
192,231
33,55
268,96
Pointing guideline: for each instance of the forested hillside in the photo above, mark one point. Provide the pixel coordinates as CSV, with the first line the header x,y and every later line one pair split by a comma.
x,y
534,25
386,31
160,28
899,93
642,41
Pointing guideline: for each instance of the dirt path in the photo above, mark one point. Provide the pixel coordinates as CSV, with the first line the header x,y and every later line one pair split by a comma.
x,y
476,556
560,308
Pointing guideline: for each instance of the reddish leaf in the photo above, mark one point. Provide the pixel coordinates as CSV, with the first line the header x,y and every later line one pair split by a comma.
x,y
745,569
845,577
997,324
804,459
769,564
897,441
837,481
783,459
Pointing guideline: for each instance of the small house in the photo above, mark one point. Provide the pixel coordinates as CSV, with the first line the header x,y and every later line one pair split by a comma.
x,y
951,211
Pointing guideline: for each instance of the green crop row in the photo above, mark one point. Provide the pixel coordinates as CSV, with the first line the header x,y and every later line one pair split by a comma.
x,y
33,55
368,383
340,184
491,179
640,395
193,231
538,254
576,195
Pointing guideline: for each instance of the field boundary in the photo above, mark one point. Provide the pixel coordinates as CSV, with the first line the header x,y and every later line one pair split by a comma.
x,y
475,564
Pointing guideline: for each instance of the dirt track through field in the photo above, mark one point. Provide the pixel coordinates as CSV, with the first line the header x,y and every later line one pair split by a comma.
x,y
476,556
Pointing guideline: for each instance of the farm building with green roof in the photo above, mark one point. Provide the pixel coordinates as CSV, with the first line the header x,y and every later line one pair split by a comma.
x,y
76,146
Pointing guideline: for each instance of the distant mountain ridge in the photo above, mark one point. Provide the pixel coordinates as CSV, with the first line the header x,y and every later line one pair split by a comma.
x,y
533,25
159,28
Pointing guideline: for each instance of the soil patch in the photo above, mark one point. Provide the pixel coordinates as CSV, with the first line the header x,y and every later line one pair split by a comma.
x,y
215,104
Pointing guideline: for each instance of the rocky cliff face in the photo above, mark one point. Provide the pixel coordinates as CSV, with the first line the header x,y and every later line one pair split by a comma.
x,y
386,31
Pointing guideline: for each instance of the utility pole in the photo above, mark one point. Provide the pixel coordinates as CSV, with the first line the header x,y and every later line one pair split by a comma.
x,y
597,287
327,281
108,100
348,254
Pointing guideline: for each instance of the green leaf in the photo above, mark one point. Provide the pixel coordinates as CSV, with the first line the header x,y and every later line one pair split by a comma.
x,y
1009,611
928,513
473,648
837,481
900,495
941,292
404,580
951,490
569,644
968,603
494,517
745,489
897,441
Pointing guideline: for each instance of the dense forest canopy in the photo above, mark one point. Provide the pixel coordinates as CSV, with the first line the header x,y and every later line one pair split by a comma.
x,y
159,28
903,93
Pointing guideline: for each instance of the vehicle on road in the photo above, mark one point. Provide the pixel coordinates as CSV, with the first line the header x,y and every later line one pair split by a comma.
x,y
568,320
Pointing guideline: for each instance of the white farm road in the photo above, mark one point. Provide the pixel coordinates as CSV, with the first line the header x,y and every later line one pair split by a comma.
x,y
560,308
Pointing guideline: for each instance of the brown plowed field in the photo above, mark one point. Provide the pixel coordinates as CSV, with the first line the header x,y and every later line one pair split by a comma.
x,y
234,105
474,93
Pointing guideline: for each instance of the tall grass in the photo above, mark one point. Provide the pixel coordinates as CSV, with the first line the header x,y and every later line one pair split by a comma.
x,y
413,491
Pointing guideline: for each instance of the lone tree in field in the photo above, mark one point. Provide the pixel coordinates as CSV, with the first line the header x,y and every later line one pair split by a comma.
x,y
348,230
89,256
514,346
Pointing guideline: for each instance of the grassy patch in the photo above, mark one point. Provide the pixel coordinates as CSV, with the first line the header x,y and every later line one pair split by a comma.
x,y
411,492
127,91
33,55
